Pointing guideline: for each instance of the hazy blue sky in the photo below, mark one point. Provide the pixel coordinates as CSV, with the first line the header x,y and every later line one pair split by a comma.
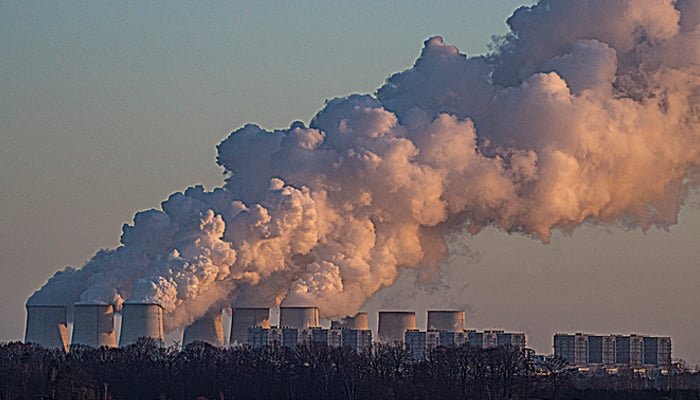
x,y
108,107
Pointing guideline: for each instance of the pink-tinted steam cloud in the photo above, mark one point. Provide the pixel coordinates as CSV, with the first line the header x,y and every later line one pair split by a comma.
x,y
586,112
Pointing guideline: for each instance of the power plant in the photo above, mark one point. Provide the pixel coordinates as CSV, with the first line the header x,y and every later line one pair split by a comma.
x,y
93,325
207,329
47,327
299,317
394,324
141,320
446,320
243,318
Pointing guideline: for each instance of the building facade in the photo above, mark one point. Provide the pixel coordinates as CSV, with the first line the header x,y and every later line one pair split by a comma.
x,y
597,351
419,343
493,338
358,340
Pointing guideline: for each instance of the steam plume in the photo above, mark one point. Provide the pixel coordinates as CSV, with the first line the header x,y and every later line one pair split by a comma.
x,y
586,112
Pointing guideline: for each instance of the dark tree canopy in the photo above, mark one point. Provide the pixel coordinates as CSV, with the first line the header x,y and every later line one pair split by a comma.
x,y
312,371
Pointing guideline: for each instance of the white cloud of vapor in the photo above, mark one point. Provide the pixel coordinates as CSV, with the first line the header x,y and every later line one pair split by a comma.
x,y
585,112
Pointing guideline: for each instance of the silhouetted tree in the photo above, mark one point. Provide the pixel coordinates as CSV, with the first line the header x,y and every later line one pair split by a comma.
x,y
313,371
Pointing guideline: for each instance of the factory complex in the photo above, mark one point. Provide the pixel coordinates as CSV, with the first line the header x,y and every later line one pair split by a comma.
x,y
94,325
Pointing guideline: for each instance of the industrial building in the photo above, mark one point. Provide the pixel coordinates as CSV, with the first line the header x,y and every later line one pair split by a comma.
x,y
447,328
358,340
419,343
613,351
93,325
495,337
302,325
262,337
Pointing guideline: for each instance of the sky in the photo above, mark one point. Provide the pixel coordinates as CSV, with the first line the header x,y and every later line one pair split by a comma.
x,y
107,108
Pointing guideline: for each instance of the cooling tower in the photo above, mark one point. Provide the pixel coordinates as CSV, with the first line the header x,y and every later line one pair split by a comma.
x,y
299,317
141,320
46,326
446,320
243,318
393,325
93,325
358,322
207,329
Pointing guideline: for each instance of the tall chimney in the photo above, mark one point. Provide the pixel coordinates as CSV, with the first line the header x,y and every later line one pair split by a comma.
x,y
243,318
141,320
299,317
207,329
47,327
446,320
394,324
93,325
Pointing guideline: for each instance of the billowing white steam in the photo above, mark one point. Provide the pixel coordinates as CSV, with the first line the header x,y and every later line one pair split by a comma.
x,y
586,112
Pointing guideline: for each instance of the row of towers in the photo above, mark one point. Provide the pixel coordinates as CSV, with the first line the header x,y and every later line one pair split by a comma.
x,y
394,324
94,325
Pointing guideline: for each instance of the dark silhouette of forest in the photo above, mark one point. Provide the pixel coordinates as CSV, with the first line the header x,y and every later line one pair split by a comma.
x,y
312,371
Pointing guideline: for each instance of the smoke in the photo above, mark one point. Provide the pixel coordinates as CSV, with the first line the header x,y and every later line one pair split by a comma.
x,y
585,112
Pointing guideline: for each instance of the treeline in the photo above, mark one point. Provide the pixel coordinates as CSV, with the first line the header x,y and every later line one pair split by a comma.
x,y
310,371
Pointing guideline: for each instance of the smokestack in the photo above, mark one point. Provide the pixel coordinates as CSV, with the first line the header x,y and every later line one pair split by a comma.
x,y
358,322
243,318
141,320
393,325
299,317
93,325
47,327
207,329
446,320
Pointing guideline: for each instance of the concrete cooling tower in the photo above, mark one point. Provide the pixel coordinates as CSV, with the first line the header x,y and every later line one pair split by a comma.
x,y
141,320
207,329
358,322
299,317
446,320
47,327
393,325
243,318
93,325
